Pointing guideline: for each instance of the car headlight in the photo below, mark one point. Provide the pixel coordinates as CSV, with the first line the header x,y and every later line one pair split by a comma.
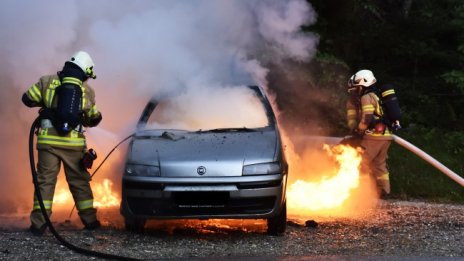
x,y
142,170
262,169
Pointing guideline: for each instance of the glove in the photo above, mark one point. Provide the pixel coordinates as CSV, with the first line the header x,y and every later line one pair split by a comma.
x,y
92,121
396,126
357,134
353,140
88,158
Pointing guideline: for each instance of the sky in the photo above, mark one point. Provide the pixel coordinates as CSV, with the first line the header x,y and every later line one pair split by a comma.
x,y
140,48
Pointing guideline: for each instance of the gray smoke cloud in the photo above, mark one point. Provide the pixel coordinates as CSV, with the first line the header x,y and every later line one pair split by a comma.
x,y
140,48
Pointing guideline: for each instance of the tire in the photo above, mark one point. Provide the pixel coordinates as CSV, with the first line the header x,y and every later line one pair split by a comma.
x,y
135,225
277,224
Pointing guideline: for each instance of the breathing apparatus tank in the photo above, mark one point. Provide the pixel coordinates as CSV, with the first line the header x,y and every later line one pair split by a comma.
x,y
390,105
68,114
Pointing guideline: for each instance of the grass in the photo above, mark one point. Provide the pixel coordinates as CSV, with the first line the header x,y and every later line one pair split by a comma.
x,y
412,177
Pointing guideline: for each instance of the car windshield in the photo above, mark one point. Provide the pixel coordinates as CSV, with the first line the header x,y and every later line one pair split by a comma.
x,y
234,108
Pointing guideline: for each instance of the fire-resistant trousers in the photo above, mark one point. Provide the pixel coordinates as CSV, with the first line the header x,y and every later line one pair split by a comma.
x,y
374,161
48,167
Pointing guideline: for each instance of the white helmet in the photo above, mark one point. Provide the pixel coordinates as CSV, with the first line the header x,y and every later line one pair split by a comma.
x,y
83,60
362,78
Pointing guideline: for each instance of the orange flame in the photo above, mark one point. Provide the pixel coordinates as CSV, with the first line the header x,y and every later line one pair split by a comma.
x,y
329,193
104,196
62,197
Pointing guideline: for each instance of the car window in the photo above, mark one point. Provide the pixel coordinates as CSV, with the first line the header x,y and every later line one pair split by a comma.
x,y
210,108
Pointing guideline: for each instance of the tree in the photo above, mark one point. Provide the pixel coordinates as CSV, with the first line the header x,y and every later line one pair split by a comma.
x,y
416,45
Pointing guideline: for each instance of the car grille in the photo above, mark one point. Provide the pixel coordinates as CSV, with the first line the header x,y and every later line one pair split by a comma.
x,y
241,185
200,203
142,185
260,184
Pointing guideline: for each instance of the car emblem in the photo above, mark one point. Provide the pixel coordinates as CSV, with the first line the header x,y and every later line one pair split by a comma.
x,y
201,170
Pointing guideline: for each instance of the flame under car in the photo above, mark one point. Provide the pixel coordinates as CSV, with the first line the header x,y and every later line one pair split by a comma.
x,y
206,167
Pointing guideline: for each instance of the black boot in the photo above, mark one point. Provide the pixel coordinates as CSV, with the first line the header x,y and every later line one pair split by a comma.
x,y
384,195
38,231
92,226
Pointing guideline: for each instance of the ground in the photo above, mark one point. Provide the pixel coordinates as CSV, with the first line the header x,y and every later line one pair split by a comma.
x,y
391,230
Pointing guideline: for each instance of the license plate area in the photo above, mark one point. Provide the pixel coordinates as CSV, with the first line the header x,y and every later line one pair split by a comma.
x,y
201,199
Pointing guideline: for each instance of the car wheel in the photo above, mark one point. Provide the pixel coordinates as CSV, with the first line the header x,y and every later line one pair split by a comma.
x,y
277,224
135,225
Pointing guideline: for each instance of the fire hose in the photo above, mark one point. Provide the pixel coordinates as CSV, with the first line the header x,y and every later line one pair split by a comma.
x,y
429,159
34,127
95,172
420,153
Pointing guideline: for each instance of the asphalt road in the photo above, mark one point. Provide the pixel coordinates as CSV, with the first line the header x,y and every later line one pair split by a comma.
x,y
394,230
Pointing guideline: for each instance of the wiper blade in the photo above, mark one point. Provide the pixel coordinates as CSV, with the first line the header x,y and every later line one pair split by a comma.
x,y
244,129
166,135
171,135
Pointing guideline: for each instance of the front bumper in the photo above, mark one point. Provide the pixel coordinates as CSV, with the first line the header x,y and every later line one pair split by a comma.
x,y
219,197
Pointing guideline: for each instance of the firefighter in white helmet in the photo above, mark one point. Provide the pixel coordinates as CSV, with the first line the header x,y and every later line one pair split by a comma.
x,y
67,106
364,114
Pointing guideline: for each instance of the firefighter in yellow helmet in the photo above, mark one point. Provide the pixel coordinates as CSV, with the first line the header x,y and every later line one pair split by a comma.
x,y
364,114
67,106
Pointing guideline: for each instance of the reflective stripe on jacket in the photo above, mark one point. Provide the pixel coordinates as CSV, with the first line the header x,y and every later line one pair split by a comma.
x,y
43,93
362,118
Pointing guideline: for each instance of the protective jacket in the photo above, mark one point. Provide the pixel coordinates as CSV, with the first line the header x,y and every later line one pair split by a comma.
x,y
363,114
42,94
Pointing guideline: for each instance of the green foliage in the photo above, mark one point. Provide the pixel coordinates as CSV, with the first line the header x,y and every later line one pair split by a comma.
x,y
454,144
455,77
412,177
416,45
328,67
419,47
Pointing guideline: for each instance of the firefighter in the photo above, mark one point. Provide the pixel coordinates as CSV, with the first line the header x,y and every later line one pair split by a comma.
x,y
364,115
59,142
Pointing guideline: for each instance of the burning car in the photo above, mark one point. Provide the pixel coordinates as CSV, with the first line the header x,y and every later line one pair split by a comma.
x,y
206,157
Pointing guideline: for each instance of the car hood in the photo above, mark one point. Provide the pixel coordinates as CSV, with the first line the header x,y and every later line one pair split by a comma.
x,y
187,154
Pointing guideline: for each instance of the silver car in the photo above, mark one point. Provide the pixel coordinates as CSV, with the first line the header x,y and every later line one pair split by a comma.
x,y
237,171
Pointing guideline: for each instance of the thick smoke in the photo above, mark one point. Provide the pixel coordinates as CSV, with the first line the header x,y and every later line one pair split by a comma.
x,y
140,48
188,110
